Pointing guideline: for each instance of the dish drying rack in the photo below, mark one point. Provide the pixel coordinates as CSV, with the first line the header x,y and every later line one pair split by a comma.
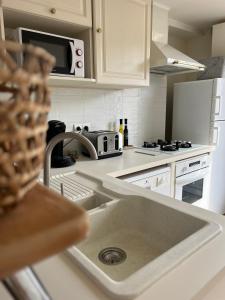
x,y
69,186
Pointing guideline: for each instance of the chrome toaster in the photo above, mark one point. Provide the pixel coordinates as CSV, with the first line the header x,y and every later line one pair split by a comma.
x,y
106,143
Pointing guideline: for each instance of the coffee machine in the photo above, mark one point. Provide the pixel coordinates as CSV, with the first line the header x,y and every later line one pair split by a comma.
x,y
58,160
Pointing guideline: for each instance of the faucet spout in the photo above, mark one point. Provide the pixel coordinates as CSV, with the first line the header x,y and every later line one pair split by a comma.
x,y
58,138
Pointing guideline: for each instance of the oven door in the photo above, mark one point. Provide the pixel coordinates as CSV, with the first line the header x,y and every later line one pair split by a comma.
x,y
193,188
62,48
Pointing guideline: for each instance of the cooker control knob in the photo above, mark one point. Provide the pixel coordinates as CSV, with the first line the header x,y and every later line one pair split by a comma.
x,y
79,52
79,64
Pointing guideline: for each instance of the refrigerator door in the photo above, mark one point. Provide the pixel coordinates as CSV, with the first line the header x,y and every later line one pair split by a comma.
x,y
218,100
217,182
192,110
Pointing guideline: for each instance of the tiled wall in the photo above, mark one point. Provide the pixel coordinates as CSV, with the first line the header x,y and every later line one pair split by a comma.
x,y
145,108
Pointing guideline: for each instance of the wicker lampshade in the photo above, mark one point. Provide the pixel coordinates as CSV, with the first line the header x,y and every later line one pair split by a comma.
x,y
24,106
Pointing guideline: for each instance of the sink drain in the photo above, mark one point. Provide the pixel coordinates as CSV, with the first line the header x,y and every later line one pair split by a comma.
x,y
112,256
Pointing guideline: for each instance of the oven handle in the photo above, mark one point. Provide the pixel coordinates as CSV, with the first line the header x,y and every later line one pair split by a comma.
x,y
73,52
191,177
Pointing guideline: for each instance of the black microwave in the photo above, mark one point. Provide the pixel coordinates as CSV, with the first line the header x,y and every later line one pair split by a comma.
x,y
69,52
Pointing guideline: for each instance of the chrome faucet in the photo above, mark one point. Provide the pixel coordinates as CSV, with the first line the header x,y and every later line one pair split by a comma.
x,y
58,138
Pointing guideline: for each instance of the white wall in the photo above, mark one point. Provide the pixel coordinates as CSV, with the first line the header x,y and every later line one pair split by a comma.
x,y
218,40
200,47
145,108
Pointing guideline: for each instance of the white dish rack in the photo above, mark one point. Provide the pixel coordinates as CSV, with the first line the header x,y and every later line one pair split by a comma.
x,y
72,188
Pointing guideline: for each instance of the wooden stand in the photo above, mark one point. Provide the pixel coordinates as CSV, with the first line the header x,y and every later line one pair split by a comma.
x,y
43,224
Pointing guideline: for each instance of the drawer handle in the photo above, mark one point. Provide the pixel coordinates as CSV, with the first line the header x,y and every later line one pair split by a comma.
x,y
99,30
52,10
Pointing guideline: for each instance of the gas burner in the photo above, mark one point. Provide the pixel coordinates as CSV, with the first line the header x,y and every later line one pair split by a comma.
x,y
163,142
185,144
150,145
170,147
167,145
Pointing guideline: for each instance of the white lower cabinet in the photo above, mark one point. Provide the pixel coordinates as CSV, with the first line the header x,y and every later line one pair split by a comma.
x,y
156,179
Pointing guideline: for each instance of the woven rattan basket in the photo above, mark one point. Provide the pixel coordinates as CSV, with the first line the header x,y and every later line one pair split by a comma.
x,y
24,106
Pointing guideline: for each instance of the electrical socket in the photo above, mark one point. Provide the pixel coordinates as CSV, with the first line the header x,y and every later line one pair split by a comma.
x,y
81,125
88,125
76,125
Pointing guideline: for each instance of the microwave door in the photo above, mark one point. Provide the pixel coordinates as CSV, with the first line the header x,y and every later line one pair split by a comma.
x,y
63,50
58,46
64,54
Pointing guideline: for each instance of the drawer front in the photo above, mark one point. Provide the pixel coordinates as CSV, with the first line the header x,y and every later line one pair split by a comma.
x,y
145,183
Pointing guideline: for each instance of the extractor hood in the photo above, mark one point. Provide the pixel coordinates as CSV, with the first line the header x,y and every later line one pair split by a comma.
x,y
165,59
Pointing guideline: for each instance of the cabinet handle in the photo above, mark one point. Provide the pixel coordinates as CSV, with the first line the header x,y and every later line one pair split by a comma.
x,y
52,10
99,30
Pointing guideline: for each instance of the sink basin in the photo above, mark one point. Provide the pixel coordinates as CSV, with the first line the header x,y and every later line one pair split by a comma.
x,y
134,241
94,201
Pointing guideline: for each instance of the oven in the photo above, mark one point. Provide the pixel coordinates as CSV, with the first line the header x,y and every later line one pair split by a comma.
x,y
192,181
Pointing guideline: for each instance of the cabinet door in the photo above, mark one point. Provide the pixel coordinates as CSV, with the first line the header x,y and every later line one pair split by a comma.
x,y
122,41
74,11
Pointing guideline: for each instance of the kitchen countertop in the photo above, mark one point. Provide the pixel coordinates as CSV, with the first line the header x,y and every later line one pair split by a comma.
x,y
129,162
65,280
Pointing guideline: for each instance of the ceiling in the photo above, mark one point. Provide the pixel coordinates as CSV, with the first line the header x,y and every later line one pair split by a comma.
x,y
198,13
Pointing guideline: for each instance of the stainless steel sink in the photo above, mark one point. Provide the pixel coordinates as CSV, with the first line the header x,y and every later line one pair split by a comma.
x,y
134,241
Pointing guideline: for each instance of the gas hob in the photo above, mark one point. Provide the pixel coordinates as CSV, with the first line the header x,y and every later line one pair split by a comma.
x,y
164,147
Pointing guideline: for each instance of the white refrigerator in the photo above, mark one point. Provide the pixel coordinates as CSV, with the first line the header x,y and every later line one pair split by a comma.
x,y
199,116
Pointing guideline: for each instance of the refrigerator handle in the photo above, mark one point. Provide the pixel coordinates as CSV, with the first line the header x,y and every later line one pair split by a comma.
x,y
216,107
214,134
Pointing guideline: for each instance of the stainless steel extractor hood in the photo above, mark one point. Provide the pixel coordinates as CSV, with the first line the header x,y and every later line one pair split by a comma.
x,y
164,58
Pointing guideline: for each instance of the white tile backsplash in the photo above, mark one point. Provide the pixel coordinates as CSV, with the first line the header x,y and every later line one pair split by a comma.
x,y
145,108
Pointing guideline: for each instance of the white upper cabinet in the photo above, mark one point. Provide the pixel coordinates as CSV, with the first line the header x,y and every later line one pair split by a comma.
x,y
122,41
73,11
121,34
